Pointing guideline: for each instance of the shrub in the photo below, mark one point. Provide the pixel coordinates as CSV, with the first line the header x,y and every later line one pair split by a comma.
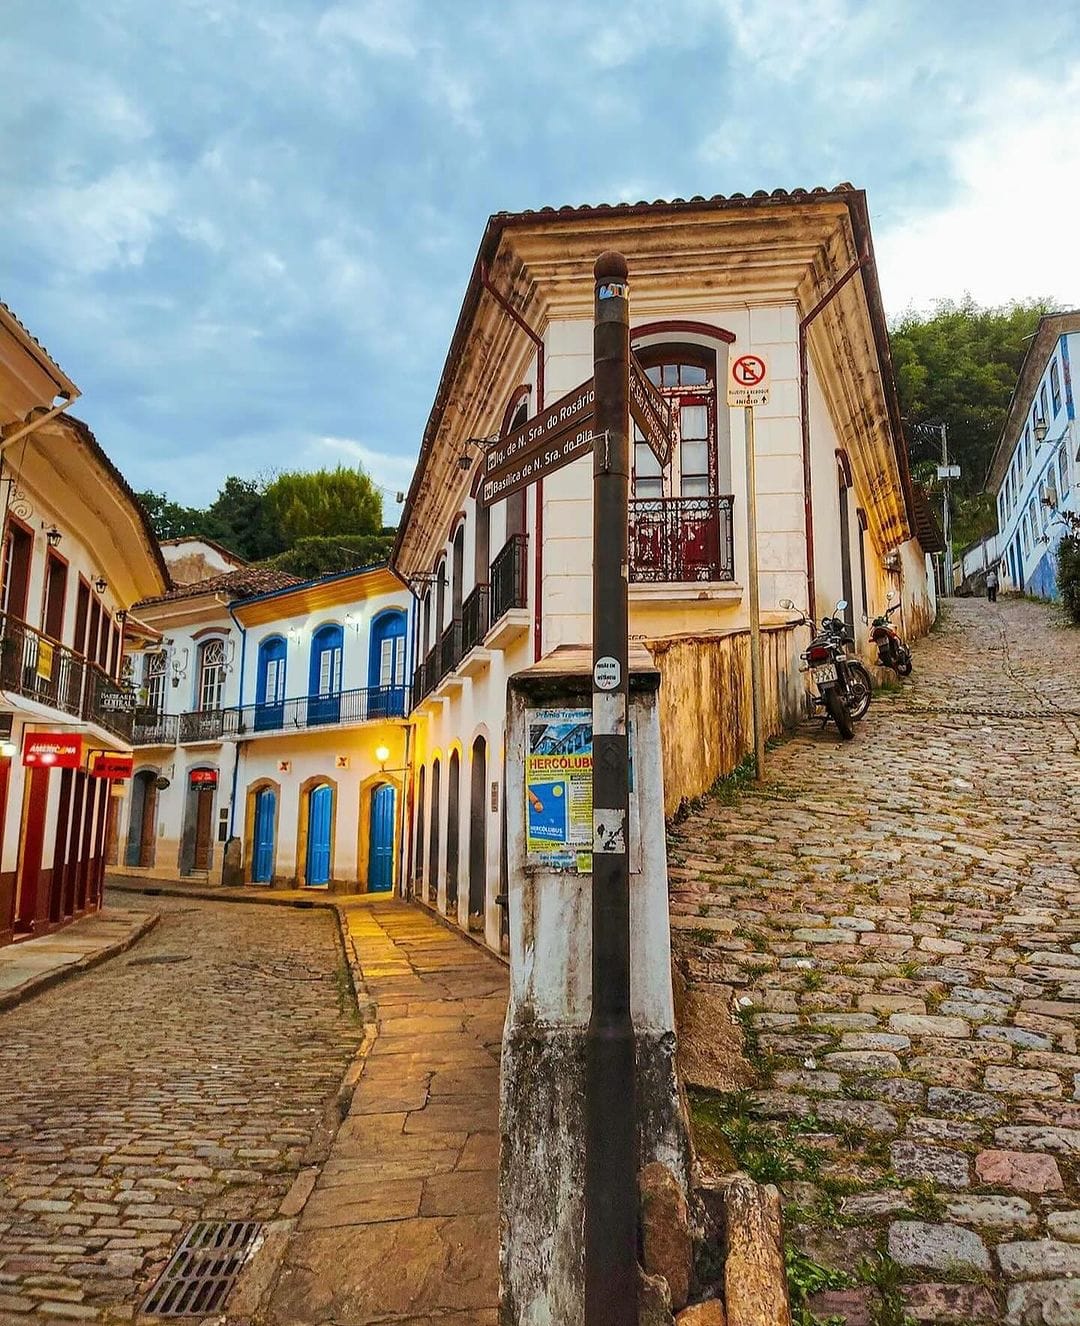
x,y
1068,573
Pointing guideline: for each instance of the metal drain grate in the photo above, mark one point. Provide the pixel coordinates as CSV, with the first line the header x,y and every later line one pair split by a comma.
x,y
203,1270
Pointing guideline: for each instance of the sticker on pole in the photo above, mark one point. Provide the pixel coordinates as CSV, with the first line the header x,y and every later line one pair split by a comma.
x,y
606,673
748,380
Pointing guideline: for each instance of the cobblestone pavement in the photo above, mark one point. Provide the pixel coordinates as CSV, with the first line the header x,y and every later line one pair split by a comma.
x,y
181,1081
900,916
402,1226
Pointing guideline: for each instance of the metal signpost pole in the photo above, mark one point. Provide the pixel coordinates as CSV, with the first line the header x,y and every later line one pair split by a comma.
x,y
948,515
756,669
611,1196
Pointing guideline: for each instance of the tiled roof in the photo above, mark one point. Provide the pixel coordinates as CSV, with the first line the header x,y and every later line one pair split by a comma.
x,y
234,585
210,543
714,200
29,335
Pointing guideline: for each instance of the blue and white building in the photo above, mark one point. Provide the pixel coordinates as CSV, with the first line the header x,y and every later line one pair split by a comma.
x,y
1035,471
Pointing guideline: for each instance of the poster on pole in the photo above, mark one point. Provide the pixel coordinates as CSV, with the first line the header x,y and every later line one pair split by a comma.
x,y
558,788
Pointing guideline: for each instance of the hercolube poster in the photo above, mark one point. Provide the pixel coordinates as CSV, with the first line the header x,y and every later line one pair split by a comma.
x,y
558,788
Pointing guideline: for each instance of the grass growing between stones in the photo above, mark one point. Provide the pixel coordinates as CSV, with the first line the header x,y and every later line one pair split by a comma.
x,y
806,1278
886,1276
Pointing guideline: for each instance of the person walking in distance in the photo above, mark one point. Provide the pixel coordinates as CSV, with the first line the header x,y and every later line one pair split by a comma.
x,y
992,584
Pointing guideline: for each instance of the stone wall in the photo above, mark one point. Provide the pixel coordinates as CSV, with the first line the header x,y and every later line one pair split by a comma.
x,y
706,715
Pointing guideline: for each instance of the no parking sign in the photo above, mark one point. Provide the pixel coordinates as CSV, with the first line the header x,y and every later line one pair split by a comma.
x,y
748,380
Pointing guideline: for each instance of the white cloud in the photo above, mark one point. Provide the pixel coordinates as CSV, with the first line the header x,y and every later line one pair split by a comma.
x,y
1009,230
381,27
109,222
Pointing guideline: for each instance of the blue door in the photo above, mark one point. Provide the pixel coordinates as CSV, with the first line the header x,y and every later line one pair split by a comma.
x,y
386,666
320,810
381,840
270,687
265,813
324,678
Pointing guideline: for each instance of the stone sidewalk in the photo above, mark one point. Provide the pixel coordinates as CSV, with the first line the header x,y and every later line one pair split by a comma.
x,y
900,916
402,1225
32,965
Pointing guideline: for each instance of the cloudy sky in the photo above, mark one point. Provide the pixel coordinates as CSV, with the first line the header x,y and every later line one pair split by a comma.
x,y
244,226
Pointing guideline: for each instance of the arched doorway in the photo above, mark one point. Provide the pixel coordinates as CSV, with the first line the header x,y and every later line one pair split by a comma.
x,y
140,841
478,836
320,826
264,836
453,832
197,844
418,859
433,833
381,839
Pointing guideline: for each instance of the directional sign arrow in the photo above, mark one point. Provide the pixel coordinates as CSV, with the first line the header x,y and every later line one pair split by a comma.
x,y
570,412
651,412
538,463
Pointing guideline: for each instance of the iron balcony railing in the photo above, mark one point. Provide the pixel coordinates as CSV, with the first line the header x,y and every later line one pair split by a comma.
x,y
510,577
450,649
37,668
475,618
108,703
426,677
369,704
153,729
676,540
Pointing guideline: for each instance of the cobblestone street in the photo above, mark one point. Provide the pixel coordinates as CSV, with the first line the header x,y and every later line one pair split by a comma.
x,y
900,917
182,1080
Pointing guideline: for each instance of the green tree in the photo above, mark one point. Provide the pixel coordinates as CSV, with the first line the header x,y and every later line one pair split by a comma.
x,y
326,554
304,505
170,520
242,517
959,365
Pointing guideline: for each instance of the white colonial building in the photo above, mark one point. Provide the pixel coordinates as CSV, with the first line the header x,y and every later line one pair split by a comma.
x,y
1033,474
499,588
77,552
271,713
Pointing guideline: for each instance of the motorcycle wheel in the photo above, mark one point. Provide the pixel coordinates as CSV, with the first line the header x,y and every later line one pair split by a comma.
x,y
860,690
903,668
839,713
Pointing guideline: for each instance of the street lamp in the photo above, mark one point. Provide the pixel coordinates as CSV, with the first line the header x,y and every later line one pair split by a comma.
x,y
52,536
1041,428
382,754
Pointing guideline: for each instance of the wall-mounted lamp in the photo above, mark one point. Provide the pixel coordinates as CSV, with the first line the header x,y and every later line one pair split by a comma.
x,y
179,667
1041,428
8,750
382,754
121,615
52,535
295,634
101,584
353,619
465,461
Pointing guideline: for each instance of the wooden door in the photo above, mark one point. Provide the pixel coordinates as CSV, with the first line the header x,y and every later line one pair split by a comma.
x,y
204,812
320,814
381,840
148,821
265,815
37,800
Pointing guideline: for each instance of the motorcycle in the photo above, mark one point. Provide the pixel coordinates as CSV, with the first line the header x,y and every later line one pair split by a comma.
x,y
844,685
892,651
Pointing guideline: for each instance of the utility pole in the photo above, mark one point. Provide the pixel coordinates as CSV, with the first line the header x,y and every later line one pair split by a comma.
x,y
948,511
611,1147
756,669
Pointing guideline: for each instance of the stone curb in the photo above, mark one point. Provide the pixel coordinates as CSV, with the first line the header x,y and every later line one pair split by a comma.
x,y
447,924
44,981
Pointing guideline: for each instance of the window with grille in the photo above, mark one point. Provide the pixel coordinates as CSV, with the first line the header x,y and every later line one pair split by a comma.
x,y
211,674
154,670
689,385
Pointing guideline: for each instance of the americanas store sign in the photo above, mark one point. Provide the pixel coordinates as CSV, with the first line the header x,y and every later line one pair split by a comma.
x,y
51,750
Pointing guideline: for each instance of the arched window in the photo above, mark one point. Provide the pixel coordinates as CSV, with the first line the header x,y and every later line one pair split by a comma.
x,y
324,676
155,667
386,665
211,676
270,683
687,375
